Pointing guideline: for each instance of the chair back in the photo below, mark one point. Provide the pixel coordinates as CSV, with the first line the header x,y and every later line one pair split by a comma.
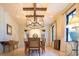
x,y
43,41
34,42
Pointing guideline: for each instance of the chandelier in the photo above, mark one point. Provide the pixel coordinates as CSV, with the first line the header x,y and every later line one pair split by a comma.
x,y
35,24
35,21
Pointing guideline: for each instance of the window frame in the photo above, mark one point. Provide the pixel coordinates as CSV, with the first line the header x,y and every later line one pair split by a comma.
x,y
53,33
67,20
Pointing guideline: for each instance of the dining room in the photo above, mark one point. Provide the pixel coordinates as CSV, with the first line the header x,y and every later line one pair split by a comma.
x,y
36,29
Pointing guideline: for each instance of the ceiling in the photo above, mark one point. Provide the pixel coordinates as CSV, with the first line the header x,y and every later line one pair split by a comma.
x,y
16,10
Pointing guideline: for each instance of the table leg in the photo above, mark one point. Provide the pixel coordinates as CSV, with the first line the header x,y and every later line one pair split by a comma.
x,y
9,47
77,49
3,48
13,47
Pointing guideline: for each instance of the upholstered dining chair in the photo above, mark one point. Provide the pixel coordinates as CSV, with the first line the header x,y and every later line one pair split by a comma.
x,y
26,46
43,44
34,44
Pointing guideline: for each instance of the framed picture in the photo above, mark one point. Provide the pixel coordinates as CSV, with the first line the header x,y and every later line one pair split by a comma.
x,y
9,29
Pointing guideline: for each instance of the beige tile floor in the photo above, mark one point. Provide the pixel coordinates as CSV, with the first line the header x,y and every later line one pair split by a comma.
x,y
20,52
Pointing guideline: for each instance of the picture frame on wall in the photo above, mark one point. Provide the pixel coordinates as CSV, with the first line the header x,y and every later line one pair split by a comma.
x,y
9,29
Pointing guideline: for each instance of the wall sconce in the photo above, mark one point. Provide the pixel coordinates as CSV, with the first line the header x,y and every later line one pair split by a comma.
x,y
43,30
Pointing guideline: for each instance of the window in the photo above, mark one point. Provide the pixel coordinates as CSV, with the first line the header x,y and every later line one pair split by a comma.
x,y
69,18
52,33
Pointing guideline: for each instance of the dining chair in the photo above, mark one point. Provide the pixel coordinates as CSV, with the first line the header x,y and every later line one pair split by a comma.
x,y
43,44
26,46
34,44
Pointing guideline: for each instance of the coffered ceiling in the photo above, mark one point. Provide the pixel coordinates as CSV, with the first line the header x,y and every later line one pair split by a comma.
x,y
16,10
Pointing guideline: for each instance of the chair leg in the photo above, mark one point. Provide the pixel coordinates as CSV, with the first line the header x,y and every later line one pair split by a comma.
x,y
25,50
42,50
9,47
3,48
39,52
29,52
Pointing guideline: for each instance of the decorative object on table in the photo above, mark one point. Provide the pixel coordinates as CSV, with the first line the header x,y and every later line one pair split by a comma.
x,y
35,35
9,29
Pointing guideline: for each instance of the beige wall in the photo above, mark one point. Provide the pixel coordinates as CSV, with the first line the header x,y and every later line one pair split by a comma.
x,y
6,18
60,30
21,36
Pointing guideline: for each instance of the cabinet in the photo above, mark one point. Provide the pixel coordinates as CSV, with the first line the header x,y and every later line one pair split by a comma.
x,y
57,44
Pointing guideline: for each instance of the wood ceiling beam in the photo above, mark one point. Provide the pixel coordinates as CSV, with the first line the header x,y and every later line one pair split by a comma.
x,y
34,11
41,9
31,9
33,15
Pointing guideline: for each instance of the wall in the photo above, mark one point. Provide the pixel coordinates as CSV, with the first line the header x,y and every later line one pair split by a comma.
x,y
55,34
5,19
60,30
1,27
21,36
47,36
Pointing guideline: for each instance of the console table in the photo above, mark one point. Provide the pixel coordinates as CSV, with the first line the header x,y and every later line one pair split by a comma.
x,y
9,44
